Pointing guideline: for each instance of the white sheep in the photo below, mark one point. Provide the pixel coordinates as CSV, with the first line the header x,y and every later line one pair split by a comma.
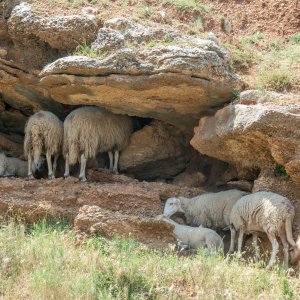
x,y
92,130
12,166
210,210
265,212
195,237
43,135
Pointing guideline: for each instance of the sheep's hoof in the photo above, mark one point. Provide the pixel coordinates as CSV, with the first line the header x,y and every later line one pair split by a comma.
x,y
66,176
30,177
51,176
83,179
115,172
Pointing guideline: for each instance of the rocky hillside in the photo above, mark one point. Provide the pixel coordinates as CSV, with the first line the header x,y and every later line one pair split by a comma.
x,y
199,125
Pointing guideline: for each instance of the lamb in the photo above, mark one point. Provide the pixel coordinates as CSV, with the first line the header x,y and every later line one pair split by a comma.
x,y
43,135
195,237
90,130
266,212
12,166
211,210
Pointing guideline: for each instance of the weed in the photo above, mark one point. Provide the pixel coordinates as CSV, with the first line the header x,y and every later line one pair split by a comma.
x,y
295,38
189,4
252,39
86,50
281,170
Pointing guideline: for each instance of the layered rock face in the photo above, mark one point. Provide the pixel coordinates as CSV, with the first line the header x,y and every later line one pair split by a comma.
x,y
256,132
128,68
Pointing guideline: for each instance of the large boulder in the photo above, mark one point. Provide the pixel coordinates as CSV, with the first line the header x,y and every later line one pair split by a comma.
x,y
158,150
40,39
255,133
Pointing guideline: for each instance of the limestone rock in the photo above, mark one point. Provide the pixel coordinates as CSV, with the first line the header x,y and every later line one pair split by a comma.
x,y
12,121
156,151
20,91
191,180
107,40
254,136
39,40
62,32
175,84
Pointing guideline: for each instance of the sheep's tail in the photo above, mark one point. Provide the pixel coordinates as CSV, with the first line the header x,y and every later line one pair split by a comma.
x,y
289,232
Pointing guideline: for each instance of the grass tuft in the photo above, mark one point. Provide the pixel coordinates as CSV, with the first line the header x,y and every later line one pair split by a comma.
x,y
189,4
86,50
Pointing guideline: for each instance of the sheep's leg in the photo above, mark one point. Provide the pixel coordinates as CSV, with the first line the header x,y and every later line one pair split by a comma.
x,y
275,247
49,162
232,239
30,161
111,160
116,161
240,240
67,166
285,250
255,246
55,164
82,168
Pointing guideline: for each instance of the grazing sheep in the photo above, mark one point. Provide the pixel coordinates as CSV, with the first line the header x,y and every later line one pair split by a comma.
x,y
90,130
265,212
43,135
11,166
211,210
195,237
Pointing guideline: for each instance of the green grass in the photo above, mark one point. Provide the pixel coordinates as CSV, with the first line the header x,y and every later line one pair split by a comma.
x,y
189,4
86,50
295,38
45,262
273,64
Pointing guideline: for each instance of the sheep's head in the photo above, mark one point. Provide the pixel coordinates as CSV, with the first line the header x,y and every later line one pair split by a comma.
x,y
172,206
295,253
39,165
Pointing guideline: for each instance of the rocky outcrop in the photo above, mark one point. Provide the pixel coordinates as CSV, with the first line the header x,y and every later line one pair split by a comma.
x,y
158,150
256,132
153,73
127,67
93,219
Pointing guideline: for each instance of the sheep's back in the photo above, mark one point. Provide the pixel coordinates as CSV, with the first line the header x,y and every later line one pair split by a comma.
x,y
261,211
213,209
96,130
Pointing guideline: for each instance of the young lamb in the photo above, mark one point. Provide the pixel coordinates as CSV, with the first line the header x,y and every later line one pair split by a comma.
x,y
196,237
266,212
12,166
43,135
90,130
211,210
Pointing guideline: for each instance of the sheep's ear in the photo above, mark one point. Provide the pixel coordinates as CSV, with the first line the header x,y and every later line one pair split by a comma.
x,y
177,200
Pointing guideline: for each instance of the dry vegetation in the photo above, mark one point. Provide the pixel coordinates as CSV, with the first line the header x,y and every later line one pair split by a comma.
x,y
45,262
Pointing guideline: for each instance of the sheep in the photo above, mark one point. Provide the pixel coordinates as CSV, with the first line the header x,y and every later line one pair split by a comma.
x,y
90,130
211,210
12,166
43,135
265,212
195,237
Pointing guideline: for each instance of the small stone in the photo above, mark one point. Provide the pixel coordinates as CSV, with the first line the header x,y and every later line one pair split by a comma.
x,y
3,52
